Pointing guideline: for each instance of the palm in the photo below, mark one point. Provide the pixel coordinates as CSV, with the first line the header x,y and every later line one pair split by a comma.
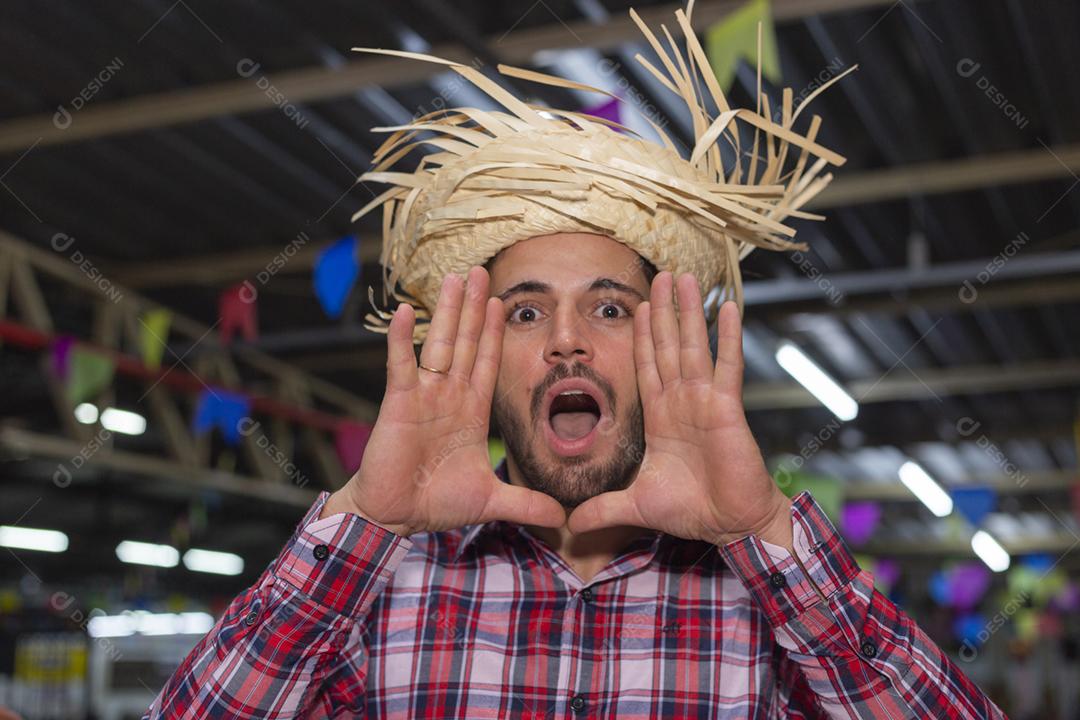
x,y
702,476
427,463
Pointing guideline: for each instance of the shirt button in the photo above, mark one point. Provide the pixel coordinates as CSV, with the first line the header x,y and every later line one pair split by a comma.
x,y
250,618
586,594
321,552
577,704
778,580
869,649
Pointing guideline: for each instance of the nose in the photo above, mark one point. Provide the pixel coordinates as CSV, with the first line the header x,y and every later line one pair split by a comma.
x,y
568,338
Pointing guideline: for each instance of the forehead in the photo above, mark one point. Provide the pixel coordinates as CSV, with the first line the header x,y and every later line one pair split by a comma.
x,y
567,259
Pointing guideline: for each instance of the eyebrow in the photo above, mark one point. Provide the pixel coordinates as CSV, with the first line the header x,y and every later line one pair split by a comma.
x,y
602,283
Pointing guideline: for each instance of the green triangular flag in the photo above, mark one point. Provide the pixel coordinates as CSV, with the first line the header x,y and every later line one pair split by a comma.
x,y
827,492
496,451
154,335
735,37
88,373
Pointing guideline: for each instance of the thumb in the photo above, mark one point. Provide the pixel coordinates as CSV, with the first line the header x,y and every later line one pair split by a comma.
x,y
522,506
608,509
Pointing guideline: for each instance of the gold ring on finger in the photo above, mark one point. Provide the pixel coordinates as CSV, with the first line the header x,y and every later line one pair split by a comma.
x,y
434,370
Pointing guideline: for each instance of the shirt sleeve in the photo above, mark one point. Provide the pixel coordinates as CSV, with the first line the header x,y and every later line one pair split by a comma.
x,y
276,652
860,655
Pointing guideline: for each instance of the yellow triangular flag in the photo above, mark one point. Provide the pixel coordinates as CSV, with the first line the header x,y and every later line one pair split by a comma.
x,y
736,37
154,335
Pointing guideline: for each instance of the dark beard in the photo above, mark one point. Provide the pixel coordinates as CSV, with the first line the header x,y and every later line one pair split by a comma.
x,y
578,478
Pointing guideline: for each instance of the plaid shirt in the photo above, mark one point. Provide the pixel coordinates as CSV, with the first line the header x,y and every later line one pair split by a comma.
x,y
352,620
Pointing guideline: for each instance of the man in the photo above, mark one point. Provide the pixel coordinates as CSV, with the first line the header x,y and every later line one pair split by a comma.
x,y
632,557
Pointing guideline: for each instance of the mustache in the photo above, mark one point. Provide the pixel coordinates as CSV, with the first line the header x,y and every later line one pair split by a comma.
x,y
563,371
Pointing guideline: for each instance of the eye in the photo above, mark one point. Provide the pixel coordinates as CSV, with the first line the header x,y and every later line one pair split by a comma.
x,y
612,310
522,314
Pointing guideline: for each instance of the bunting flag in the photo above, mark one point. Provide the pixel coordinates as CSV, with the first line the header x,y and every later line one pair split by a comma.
x,y
969,628
974,503
939,588
827,492
1068,598
222,410
736,37
496,451
1026,624
961,586
968,583
607,110
858,520
886,574
88,373
350,439
336,270
61,354
236,311
154,335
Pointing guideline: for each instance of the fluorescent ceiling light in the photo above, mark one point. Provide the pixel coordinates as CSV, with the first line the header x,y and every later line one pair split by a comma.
x,y
145,623
926,489
814,379
86,413
990,551
26,538
211,561
140,553
122,421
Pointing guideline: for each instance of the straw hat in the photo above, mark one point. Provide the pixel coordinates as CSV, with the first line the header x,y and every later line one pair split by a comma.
x,y
499,177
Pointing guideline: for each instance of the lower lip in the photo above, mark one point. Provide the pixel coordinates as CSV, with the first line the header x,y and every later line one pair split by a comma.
x,y
569,448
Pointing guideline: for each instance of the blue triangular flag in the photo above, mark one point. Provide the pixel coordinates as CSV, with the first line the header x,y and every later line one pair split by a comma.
x,y
336,269
974,503
221,410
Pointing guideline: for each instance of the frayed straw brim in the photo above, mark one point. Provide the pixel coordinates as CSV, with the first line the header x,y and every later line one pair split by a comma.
x,y
500,177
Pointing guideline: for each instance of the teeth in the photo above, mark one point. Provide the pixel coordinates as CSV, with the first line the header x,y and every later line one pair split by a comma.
x,y
573,392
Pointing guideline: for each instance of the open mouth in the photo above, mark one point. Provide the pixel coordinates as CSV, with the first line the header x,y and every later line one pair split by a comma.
x,y
573,414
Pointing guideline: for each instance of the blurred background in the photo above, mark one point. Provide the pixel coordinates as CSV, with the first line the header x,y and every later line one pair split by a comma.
x,y
183,365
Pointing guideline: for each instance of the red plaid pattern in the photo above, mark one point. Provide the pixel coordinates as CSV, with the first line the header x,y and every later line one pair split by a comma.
x,y
353,621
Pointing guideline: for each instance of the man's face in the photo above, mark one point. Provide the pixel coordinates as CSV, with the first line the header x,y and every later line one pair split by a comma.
x,y
566,400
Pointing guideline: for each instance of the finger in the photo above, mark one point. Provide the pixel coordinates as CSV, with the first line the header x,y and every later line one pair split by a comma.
x,y
401,371
729,355
694,357
472,322
486,367
665,332
644,354
605,510
438,350
522,506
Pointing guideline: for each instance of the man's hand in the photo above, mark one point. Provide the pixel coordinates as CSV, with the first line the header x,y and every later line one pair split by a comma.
x,y
426,466
702,476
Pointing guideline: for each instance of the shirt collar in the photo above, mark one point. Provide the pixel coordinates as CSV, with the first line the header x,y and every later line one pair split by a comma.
x,y
473,533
